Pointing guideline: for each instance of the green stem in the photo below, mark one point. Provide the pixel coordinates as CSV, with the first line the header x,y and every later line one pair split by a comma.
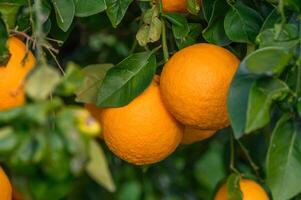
x,y
232,155
283,18
9,14
250,160
164,38
39,34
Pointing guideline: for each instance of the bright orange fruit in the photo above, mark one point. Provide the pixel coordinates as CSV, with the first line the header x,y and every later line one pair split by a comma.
x,y
192,135
5,186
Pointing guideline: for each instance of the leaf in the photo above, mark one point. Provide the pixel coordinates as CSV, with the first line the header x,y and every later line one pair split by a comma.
x,y
267,61
4,53
85,8
237,102
284,160
193,6
299,107
93,78
270,20
214,13
263,93
150,31
233,187
116,10
180,26
127,80
192,37
42,82
98,169
64,11
8,140
242,23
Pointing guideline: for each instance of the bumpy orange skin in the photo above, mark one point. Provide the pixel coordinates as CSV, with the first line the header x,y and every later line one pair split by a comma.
x,y
174,5
143,132
195,84
5,186
13,74
250,189
192,135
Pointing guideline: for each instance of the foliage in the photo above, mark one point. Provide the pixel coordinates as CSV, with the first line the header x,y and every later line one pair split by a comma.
x,y
48,157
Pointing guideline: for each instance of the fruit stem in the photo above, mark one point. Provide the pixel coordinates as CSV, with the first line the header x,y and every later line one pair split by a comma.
x,y
164,38
232,155
250,160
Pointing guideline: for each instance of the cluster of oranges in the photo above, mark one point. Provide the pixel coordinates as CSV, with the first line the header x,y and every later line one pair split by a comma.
x,y
187,103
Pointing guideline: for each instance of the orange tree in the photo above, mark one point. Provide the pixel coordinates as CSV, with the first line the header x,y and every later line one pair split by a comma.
x,y
230,70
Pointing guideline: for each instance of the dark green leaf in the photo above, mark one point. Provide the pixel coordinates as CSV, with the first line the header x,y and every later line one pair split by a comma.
x,y
4,53
127,80
93,78
284,160
271,20
180,27
242,23
214,13
65,11
267,61
86,8
116,10
8,140
233,187
263,92
238,102
192,37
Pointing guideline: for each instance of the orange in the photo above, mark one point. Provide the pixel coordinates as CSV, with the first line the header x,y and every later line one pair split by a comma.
x,y
174,5
192,135
142,132
5,186
195,84
13,74
249,188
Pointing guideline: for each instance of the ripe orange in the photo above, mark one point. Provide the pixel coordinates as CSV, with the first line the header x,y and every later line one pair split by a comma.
x,y
192,135
174,5
142,132
5,186
195,83
249,188
13,74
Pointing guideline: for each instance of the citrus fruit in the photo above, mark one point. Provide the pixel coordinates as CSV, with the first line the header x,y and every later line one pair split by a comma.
x,y
174,5
249,188
12,75
5,186
86,123
142,132
195,83
192,135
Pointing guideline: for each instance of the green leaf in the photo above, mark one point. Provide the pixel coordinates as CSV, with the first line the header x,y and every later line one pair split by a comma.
x,y
271,20
287,38
180,27
267,61
263,92
131,190
4,53
42,82
127,80
242,23
284,160
299,106
238,102
93,78
98,169
214,13
151,29
193,6
8,140
116,10
64,11
233,187
85,8
195,31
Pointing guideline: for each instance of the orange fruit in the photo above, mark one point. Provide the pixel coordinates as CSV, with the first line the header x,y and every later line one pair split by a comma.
x,y
195,83
250,189
174,5
192,135
5,186
13,74
142,132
